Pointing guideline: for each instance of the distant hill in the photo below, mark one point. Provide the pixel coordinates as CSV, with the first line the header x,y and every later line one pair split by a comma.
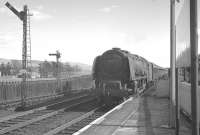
x,y
35,63
84,67
4,60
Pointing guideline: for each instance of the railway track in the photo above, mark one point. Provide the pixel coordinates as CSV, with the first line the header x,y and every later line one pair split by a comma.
x,y
14,123
41,120
78,123
83,121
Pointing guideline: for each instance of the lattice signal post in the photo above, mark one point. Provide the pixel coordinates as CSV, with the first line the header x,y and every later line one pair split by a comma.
x,y
58,55
24,16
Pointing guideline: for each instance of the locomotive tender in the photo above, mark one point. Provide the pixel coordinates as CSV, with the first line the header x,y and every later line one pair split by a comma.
x,y
117,73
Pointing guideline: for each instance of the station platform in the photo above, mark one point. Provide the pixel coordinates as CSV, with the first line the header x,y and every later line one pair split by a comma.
x,y
146,115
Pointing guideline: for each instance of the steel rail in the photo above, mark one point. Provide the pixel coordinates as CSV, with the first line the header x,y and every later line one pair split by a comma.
x,y
21,124
64,126
3,119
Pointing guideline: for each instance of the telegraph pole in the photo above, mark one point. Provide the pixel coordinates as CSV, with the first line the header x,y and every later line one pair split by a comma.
x,y
193,36
172,63
194,66
58,55
23,16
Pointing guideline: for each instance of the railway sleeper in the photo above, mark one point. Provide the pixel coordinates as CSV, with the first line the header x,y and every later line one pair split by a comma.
x,y
79,125
67,132
73,129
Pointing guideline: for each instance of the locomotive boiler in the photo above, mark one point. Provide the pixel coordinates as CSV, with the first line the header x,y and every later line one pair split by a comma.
x,y
118,73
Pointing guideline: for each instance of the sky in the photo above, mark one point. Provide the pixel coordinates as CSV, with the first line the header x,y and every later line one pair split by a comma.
x,y
83,29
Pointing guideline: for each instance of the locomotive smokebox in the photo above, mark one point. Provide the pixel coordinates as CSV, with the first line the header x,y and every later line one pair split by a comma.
x,y
112,65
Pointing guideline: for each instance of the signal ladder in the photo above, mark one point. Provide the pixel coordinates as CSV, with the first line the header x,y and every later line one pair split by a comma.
x,y
28,38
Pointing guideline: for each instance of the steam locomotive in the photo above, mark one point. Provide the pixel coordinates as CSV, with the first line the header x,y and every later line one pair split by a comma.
x,y
117,73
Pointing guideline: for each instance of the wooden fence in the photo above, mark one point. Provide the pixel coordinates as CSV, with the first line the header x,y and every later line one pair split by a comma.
x,y
11,90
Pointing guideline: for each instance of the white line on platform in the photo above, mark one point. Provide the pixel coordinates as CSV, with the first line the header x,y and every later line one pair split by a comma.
x,y
119,107
100,119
